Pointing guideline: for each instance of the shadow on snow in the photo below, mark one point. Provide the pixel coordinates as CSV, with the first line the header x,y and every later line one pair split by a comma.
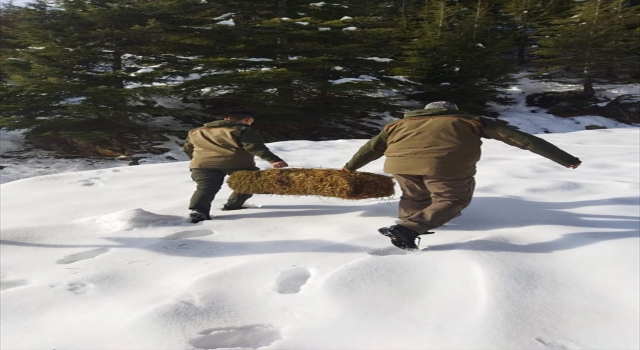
x,y
485,213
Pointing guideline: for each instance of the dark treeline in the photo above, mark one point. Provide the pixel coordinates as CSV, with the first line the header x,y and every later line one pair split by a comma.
x,y
108,64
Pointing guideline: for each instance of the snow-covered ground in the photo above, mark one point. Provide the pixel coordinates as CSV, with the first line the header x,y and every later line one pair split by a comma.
x,y
20,161
544,258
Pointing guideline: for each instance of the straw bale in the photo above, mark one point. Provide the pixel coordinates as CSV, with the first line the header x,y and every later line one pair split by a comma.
x,y
312,182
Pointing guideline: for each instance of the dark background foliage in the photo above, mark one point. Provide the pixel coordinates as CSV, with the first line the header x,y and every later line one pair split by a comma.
x,y
76,71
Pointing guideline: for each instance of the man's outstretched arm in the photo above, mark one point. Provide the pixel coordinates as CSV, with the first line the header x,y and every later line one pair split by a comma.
x,y
517,138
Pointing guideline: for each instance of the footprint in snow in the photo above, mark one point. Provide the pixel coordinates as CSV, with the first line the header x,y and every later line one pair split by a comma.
x,y
80,287
388,251
290,281
92,181
249,336
188,234
558,344
89,254
9,284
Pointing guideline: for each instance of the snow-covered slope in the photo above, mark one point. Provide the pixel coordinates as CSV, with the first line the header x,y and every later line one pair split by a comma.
x,y
544,258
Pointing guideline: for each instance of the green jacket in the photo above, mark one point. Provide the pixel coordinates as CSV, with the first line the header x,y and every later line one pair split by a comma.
x,y
439,142
226,144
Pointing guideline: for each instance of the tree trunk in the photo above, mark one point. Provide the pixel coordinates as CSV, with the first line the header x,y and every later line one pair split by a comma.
x,y
284,92
441,20
119,114
116,68
524,35
587,88
477,19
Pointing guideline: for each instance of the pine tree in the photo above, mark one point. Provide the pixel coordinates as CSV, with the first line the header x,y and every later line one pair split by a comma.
x,y
284,59
596,39
91,61
8,42
456,52
525,17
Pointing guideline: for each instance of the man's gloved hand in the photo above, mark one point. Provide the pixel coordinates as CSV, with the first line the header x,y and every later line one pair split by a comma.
x,y
280,164
573,166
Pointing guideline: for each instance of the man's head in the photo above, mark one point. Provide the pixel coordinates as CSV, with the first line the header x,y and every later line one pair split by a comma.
x,y
240,116
442,105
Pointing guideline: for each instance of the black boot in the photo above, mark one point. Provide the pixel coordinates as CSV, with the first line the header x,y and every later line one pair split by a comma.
x,y
402,237
197,216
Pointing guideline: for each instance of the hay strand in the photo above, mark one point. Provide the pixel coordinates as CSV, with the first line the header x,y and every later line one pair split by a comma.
x,y
312,182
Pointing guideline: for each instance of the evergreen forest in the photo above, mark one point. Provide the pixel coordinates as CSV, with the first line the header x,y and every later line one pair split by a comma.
x,y
96,72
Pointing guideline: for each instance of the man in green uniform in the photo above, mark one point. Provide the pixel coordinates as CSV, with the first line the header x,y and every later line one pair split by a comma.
x,y
218,149
432,154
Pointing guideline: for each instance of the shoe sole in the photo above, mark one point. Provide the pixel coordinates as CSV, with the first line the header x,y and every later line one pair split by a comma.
x,y
232,209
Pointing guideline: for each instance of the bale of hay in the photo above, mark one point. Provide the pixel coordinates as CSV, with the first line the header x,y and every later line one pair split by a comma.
x,y
312,182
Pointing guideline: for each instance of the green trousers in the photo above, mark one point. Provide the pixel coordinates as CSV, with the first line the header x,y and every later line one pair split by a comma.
x,y
208,183
428,202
